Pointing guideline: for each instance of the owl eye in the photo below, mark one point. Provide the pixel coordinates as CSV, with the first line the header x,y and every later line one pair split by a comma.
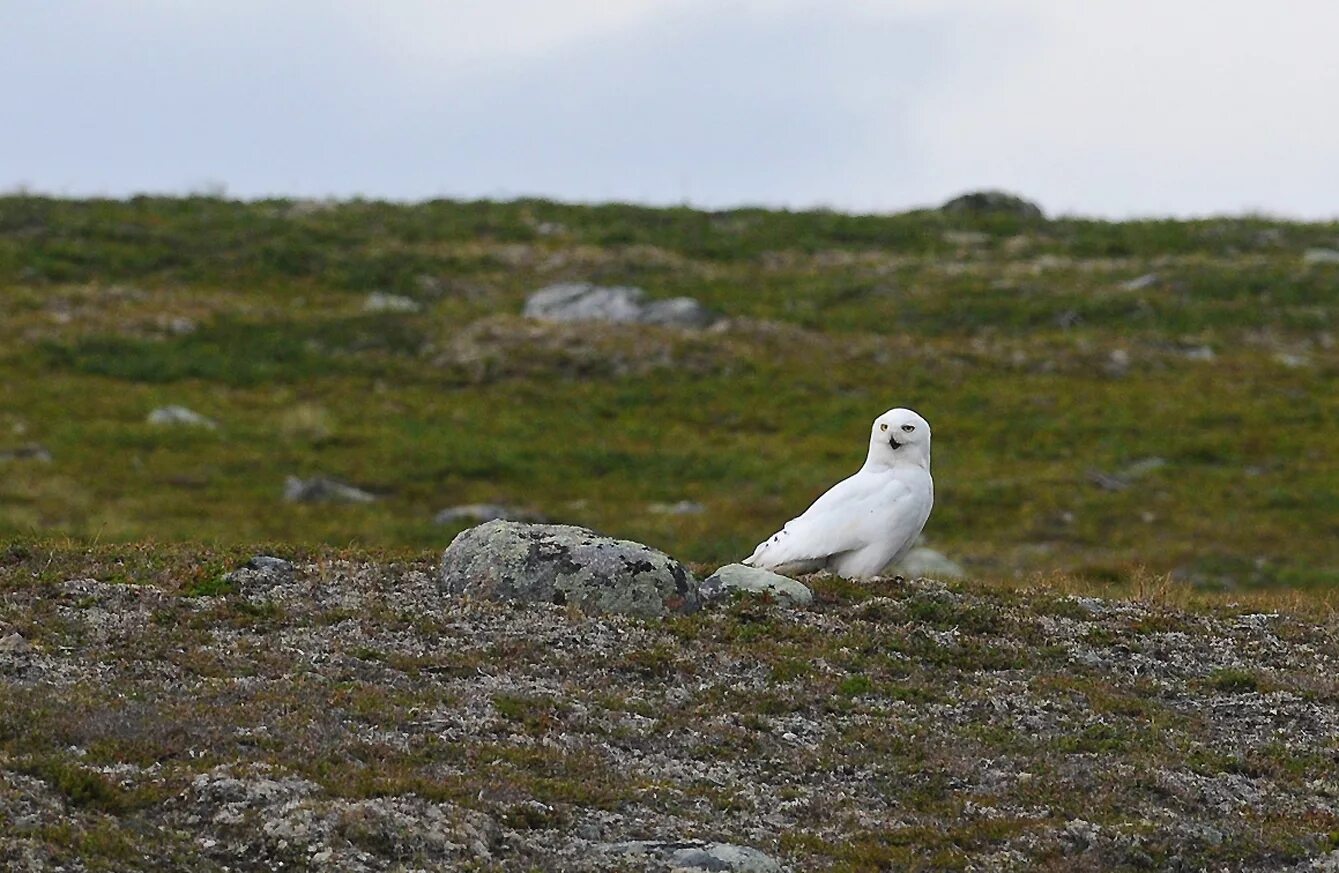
x,y
908,427
883,427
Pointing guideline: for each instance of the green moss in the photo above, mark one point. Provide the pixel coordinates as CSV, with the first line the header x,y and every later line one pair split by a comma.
x,y
1232,680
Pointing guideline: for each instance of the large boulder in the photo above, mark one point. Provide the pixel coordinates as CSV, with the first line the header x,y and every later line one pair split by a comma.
x,y
615,304
558,563
992,203
582,301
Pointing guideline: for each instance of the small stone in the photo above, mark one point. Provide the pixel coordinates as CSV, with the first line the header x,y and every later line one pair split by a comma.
x,y
926,563
379,301
1141,468
26,453
677,312
1320,256
1139,283
1291,361
755,580
683,507
1118,363
481,512
696,855
180,415
1199,353
321,489
14,644
1106,481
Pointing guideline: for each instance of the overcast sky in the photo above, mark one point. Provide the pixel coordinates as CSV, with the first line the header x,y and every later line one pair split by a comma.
x,y
1095,107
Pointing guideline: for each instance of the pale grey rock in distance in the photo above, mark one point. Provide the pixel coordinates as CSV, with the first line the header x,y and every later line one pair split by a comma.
x,y
583,301
682,507
697,855
563,564
321,489
755,580
1139,283
925,563
616,304
379,301
173,415
27,453
677,312
1320,256
481,512
14,644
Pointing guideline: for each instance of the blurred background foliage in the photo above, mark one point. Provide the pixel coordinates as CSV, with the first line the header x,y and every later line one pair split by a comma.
x,y
1105,396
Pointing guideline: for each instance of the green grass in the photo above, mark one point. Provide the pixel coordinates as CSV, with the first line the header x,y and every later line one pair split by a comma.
x,y
1006,346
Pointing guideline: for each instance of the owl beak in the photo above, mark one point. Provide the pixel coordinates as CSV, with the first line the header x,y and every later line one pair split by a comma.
x,y
892,441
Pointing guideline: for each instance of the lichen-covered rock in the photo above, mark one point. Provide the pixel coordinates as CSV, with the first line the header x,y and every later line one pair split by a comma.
x,y
583,301
563,564
615,304
696,855
755,580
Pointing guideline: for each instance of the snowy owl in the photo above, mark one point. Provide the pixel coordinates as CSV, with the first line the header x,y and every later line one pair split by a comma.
x,y
864,523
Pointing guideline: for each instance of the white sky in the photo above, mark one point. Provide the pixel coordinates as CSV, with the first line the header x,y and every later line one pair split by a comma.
x,y
1095,107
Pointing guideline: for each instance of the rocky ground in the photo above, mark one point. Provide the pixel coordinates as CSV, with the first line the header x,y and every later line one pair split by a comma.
x,y
345,714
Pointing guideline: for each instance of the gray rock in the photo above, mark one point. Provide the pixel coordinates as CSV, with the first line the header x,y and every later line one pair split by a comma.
x,y
14,644
584,301
1118,363
1142,467
556,563
683,507
1320,256
1199,353
180,415
1291,361
677,312
697,855
269,564
1106,481
481,512
753,580
26,453
379,301
321,489
922,562
1139,283
993,202
1127,475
